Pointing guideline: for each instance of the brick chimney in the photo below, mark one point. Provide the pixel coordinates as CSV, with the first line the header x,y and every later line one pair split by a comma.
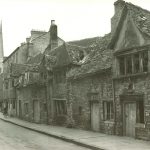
x,y
118,7
53,35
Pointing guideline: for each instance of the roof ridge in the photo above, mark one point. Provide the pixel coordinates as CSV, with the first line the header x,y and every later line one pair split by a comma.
x,y
39,36
129,3
75,45
83,39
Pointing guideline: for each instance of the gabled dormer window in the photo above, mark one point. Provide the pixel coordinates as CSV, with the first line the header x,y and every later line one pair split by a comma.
x,y
133,63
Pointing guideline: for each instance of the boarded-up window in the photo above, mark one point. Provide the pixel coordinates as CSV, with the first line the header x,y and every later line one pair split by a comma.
x,y
60,107
108,110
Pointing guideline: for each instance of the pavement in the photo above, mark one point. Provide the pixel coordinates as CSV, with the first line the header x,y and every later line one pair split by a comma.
x,y
88,139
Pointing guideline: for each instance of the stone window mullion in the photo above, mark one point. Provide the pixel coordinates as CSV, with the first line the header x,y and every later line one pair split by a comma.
x,y
125,65
141,62
133,70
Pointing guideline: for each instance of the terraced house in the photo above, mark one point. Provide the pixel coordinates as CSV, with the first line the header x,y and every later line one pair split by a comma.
x,y
16,63
109,92
100,84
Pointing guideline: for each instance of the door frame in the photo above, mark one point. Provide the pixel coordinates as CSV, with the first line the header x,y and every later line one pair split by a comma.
x,y
91,104
125,99
124,114
39,112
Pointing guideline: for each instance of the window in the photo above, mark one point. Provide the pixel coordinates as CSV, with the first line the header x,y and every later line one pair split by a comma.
x,y
60,76
6,84
129,64
144,58
80,110
13,104
44,107
133,63
122,65
81,55
108,110
136,63
26,108
12,83
140,112
60,107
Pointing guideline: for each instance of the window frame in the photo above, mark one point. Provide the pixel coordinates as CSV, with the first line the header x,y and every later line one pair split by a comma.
x,y
142,63
108,110
59,109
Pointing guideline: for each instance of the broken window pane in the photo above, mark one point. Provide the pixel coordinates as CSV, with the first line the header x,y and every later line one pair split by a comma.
x,y
129,64
140,112
108,110
60,107
145,61
136,63
122,65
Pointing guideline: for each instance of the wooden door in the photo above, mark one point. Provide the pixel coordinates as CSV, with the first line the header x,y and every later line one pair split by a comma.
x,y
130,119
95,116
36,113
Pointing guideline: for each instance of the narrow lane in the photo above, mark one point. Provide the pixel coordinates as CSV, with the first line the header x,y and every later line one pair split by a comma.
x,y
13,137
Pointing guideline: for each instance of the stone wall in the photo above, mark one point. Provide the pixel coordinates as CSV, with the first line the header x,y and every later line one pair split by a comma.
x,y
28,95
80,101
141,85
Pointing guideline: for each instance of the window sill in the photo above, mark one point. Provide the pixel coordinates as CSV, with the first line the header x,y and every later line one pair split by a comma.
x,y
109,121
139,125
130,75
63,115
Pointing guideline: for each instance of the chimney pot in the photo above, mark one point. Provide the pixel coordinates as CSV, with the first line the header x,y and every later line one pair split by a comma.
x,y
52,22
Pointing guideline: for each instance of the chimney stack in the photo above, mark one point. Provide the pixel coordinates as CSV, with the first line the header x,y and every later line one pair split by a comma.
x,y
118,7
53,30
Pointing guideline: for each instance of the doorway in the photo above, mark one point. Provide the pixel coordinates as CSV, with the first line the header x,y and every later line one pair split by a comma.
x,y
130,119
36,111
95,116
20,109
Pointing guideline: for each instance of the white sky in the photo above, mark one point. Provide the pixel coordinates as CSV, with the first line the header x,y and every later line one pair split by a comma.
x,y
76,19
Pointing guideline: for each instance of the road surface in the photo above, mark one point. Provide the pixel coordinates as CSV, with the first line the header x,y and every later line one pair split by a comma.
x,y
13,137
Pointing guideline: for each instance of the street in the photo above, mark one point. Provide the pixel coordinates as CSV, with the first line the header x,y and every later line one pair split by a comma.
x,y
13,137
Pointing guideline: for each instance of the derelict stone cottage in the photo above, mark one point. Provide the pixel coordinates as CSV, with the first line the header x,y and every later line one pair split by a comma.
x,y
100,84
109,92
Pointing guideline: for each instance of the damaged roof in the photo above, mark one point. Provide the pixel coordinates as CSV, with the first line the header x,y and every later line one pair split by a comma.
x,y
100,58
140,17
18,69
64,55
35,59
84,42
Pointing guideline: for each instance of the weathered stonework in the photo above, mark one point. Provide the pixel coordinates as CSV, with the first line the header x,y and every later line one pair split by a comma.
x,y
81,89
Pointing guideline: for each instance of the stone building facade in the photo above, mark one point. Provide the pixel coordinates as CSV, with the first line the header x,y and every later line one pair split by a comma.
x,y
125,111
99,84
31,95
24,54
